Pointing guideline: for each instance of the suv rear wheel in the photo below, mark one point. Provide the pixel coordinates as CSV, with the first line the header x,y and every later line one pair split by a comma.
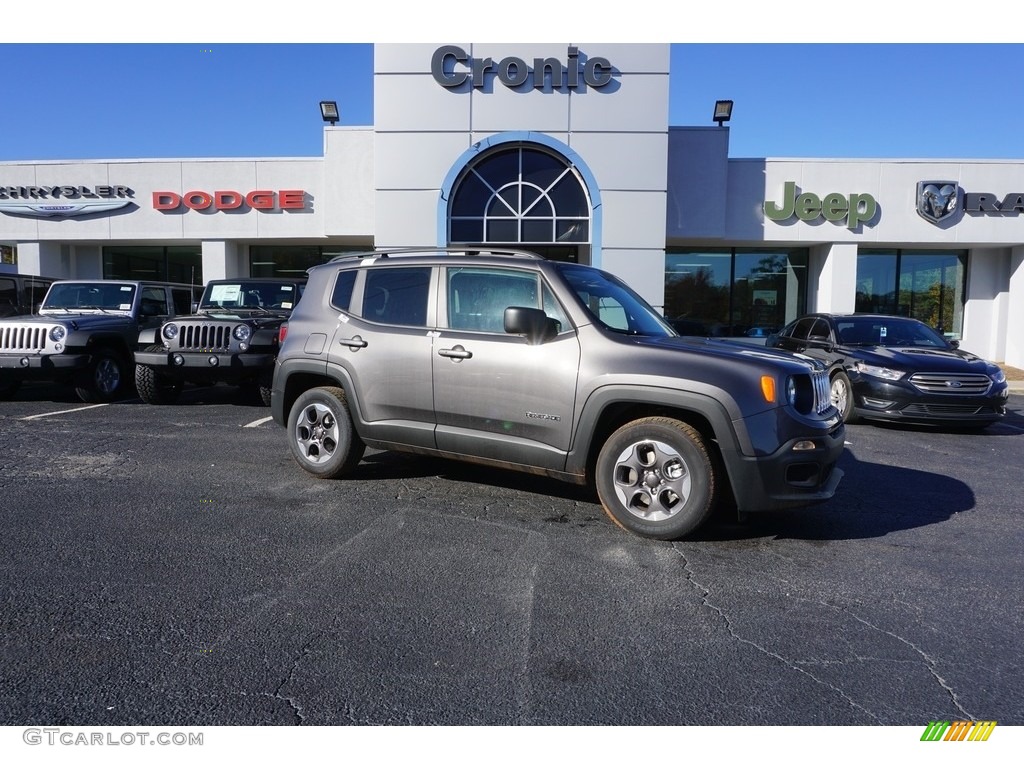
x,y
655,477
321,435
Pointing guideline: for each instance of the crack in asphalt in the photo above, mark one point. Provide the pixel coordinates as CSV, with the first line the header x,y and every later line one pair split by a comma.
x,y
931,663
772,654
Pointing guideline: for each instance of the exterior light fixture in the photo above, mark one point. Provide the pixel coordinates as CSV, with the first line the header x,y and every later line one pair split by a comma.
x,y
329,111
723,111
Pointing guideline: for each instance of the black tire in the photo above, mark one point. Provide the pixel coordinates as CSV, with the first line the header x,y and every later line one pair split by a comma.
x,y
154,387
841,394
655,477
104,380
264,387
7,390
321,435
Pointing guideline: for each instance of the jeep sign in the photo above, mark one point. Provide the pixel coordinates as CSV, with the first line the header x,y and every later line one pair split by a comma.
x,y
835,207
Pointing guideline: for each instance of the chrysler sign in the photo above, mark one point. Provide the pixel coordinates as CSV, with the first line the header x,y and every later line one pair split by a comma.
x,y
63,200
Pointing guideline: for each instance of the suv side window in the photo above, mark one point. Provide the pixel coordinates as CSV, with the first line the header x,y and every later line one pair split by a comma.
x,y
820,328
33,294
182,298
396,295
8,297
478,297
153,302
342,294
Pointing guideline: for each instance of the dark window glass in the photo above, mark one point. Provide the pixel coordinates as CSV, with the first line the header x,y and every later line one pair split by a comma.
x,y
182,301
505,192
342,294
8,297
820,328
397,295
734,292
803,329
177,264
927,286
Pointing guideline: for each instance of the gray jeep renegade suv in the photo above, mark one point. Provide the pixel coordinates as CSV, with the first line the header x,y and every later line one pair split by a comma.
x,y
553,368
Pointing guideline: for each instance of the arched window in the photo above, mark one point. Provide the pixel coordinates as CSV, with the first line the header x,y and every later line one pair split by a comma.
x,y
521,194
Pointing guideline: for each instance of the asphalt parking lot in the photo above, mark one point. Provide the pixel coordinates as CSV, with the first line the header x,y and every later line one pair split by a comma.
x,y
173,565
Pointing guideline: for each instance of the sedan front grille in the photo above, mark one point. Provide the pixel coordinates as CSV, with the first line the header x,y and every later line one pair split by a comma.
x,y
203,336
952,383
23,337
930,409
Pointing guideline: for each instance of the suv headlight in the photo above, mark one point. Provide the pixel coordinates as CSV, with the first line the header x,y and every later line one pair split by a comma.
x,y
998,377
170,331
241,332
58,332
878,371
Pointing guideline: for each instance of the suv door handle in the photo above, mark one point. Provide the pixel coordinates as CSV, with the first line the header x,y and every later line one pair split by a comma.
x,y
458,352
354,343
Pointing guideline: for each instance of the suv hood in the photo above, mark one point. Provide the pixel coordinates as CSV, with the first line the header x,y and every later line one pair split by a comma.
x,y
734,350
76,320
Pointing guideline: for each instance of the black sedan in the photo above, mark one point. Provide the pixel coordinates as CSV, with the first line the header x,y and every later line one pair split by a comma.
x,y
898,369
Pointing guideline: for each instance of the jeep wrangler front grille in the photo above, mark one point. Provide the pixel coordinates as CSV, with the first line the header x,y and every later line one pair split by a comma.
x,y
202,336
23,337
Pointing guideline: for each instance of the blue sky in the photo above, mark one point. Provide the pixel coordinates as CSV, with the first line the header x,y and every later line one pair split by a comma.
x,y
81,93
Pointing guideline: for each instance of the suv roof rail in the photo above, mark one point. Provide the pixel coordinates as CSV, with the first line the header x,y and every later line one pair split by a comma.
x,y
384,253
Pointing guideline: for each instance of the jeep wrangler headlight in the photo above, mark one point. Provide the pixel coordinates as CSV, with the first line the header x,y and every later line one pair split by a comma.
x,y
170,331
241,332
58,332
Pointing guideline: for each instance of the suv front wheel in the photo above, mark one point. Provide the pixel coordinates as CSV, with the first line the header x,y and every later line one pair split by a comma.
x,y
655,477
321,435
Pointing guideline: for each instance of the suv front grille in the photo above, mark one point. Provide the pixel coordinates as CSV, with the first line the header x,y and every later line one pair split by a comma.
x,y
822,391
952,383
203,336
23,337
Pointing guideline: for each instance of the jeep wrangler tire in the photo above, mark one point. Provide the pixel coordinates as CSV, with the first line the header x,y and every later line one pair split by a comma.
x,y
655,477
321,435
154,387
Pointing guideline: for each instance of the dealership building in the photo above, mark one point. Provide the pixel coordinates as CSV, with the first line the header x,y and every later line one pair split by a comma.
x,y
565,149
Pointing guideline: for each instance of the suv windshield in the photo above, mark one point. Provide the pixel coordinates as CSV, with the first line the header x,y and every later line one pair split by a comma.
x,y
243,294
613,304
116,297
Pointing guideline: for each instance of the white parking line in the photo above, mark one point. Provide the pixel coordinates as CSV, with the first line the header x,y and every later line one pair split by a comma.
x,y
58,413
257,422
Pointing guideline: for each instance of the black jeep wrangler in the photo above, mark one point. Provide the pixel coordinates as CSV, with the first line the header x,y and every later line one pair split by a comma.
x,y
84,334
232,339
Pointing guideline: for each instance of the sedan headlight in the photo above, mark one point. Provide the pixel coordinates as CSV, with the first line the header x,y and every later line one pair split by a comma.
x,y
241,332
58,332
878,371
170,331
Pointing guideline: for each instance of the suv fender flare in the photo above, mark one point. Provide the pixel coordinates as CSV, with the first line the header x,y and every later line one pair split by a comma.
x,y
711,410
148,337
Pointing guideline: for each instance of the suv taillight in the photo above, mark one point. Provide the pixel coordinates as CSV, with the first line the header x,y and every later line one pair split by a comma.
x,y
282,332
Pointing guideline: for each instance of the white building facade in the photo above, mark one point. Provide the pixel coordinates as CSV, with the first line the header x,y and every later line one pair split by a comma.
x,y
564,149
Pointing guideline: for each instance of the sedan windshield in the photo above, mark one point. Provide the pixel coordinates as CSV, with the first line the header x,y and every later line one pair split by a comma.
x,y
887,332
612,304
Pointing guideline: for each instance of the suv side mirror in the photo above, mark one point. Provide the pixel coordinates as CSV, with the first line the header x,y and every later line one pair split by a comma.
x,y
532,323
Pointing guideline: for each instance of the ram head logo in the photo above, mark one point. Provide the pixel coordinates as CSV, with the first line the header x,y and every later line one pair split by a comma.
x,y
938,200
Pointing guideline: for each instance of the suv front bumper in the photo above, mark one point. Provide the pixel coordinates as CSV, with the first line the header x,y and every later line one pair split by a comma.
x,y
788,477
40,366
210,362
